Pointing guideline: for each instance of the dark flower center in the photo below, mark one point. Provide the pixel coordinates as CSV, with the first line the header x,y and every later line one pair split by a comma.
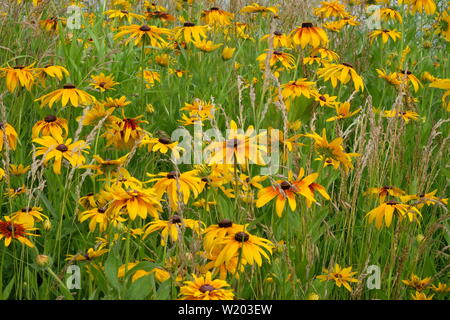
x,y
62,148
387,188
101,210
172,175
277,53
214,9
188,24
102,84
347,65
164,140
10,228
28,209
124,11
405,72
50,118
307,25
225,223
207,288
205,179
69,86
145,28
90,194
19,67
1,125
241,237
392,203
277,33
175,219
285,185
233,143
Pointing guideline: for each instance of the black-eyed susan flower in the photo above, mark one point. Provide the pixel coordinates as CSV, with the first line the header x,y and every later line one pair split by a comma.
x,y
297,88
91,254
134,201
422,199
19,76
417,283
116,102
172,228
325,53
96,113
342,72
341,276
122,15
329,9
159,15
421,296
250,248
162,145
238,148
160,274
385,35
28,216
151,35
217,17
51,125
279,40
69,93
206,45
124,133
256,8
18,169
10,230
150,77
307,34
326,100
332,150
14,192
176,185
388,14
218,232
205,288
405,115
58,149
52,71
190,32
387,210
106,165
440,288
8,137
429,6
385,191
343,112
285,59
103,82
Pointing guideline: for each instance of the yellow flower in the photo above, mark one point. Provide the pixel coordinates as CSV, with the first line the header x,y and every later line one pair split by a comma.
x,y
55,147
341,276
216,17
441,288
18,170
150,77
421,5
162,145
385,34
256,8
405,115
286,59
19,76
343,112
68,93
9,135
307,34
331,9
218,232
248,247
51,71
333,150
280,40
298,88
424,198
10,230
228,53
50,126
342,72
124,133
417,283
135,201
123,14
162,59
28,216
149,34
385,191
205,288
103,83
387,14
421,296
206,45
172,228
177,185
189,32
239,147
91,254
388,209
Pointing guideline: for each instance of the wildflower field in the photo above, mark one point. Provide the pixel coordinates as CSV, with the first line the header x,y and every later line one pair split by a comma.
x,y
218,150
